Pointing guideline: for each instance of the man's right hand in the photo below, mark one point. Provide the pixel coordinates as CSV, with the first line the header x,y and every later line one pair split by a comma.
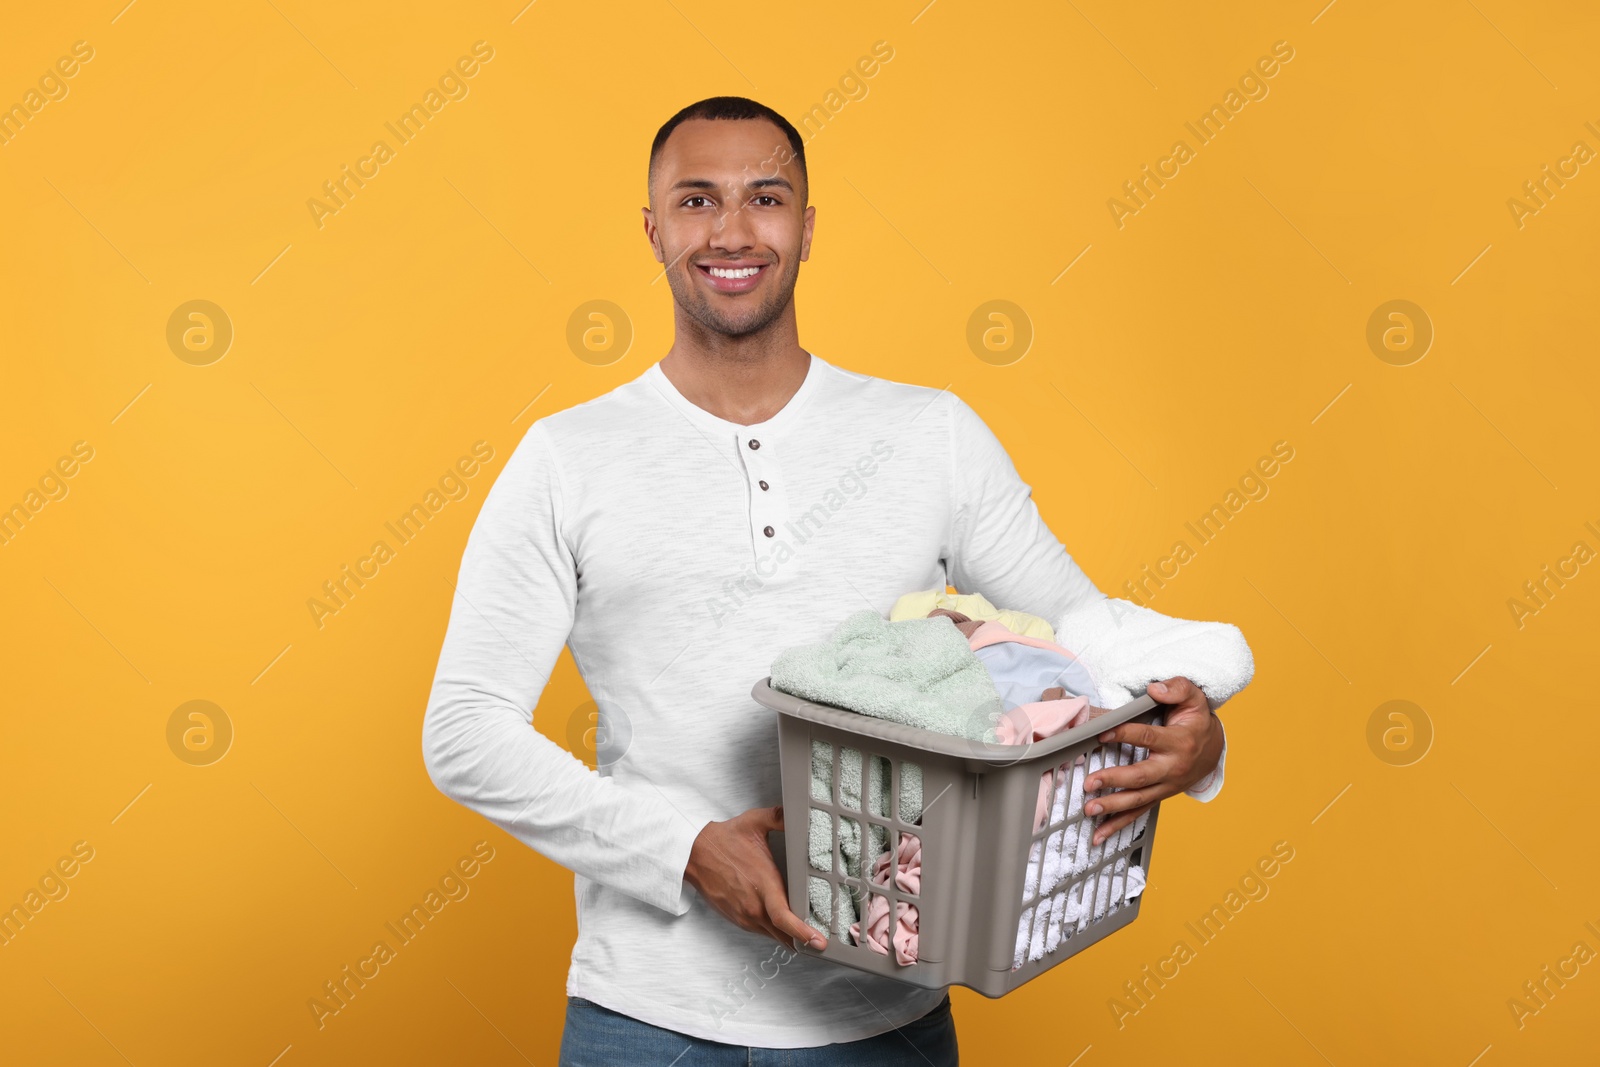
x,y
731,866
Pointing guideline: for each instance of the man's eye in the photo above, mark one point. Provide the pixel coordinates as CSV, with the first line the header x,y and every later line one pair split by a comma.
x,y
691,201
765,196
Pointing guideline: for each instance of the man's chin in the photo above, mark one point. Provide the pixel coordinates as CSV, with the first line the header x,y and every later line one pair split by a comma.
x,y
742,326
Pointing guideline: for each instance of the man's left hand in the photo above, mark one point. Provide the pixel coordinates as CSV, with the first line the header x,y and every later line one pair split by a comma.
x,y
1182,752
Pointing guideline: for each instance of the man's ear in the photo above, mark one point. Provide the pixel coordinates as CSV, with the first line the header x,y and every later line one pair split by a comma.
x,y
805,238
650,232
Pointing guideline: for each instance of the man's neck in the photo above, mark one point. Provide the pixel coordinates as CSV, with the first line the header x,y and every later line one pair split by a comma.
x,y
744,380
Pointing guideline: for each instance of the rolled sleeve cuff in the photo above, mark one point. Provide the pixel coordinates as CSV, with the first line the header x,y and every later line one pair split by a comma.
x,y
1209,786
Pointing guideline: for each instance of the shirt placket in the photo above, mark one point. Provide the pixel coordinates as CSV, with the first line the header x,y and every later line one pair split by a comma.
x,y
769,501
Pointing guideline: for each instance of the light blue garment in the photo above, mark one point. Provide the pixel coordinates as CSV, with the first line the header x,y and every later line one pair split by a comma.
x,y
1022,672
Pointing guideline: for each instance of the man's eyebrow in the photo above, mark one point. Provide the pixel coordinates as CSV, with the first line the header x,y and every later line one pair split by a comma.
x,y
755,183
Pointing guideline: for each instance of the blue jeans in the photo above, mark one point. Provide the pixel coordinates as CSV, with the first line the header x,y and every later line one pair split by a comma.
x,y
596,1036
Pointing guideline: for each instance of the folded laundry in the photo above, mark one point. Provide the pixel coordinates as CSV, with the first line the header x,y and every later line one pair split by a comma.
x,y
920,672
1126,646
852,849
1069,852
924,602
1018,665
984,681
908,878
1022,668
1052,919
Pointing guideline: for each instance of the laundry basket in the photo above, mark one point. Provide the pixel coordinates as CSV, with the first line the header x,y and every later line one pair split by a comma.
x,y
977,837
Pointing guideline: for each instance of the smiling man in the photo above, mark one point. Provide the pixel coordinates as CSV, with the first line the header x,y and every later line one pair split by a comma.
x,y
619,527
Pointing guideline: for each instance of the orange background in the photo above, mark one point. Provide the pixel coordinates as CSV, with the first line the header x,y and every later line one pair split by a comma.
x,y
431,312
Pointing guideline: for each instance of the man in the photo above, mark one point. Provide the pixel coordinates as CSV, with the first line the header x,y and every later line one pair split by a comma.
x,y
737,498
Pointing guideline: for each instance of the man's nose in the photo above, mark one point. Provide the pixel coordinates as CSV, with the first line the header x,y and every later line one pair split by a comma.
x,y
733,232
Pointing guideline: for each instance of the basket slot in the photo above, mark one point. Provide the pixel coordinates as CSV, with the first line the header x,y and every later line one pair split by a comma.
x,y
837,780
1058,910
894,790
823,790
916,842
1034,882
844,827
872,773
821,887
1056,859
1092,895
1024,936
1041,923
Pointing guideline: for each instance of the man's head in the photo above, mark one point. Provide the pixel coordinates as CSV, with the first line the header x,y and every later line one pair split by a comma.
x,y
728,191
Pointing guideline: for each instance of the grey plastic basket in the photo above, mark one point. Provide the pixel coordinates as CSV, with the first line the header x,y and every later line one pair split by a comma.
x,y
976,834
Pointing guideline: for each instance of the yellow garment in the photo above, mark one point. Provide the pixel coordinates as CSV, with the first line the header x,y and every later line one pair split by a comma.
x,y
973,606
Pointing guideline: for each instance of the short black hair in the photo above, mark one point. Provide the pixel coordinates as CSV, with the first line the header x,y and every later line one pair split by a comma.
x,y
730,107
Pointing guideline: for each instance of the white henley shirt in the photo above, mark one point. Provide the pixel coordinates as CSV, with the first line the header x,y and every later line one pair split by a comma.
x,y
677,553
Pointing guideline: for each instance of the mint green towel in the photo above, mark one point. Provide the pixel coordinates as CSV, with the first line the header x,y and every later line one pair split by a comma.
x,y
920,672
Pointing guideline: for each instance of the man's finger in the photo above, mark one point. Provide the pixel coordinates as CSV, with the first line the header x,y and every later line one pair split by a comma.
x,y
787,922
1122,800
1134,775
765,926
1141,734
1112,825
761,922
796,932
1180,691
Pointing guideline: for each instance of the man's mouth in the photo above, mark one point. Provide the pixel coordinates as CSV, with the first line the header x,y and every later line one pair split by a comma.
x,y
732,278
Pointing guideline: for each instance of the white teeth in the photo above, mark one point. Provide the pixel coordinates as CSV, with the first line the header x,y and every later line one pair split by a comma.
x,y
742,272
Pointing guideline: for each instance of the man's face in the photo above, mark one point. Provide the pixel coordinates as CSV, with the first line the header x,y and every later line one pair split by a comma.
x,y
727,200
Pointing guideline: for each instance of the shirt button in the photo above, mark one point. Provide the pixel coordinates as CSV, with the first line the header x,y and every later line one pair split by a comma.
x,y
763,485
767,531
754,443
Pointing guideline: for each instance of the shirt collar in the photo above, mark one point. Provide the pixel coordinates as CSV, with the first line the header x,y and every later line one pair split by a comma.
x,y
705,419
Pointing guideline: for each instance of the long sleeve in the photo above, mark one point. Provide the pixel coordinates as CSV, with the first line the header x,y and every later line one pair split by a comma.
x,y
1001,546
513,611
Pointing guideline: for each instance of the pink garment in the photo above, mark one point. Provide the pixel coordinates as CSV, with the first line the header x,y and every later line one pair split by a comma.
x,y
907,878
1020,725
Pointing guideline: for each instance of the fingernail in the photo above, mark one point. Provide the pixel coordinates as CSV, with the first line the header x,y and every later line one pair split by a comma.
x,y
1106,736
1093,809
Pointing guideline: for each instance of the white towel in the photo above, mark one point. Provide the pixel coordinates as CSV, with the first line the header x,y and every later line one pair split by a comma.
x,y
1066,852
1126,647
